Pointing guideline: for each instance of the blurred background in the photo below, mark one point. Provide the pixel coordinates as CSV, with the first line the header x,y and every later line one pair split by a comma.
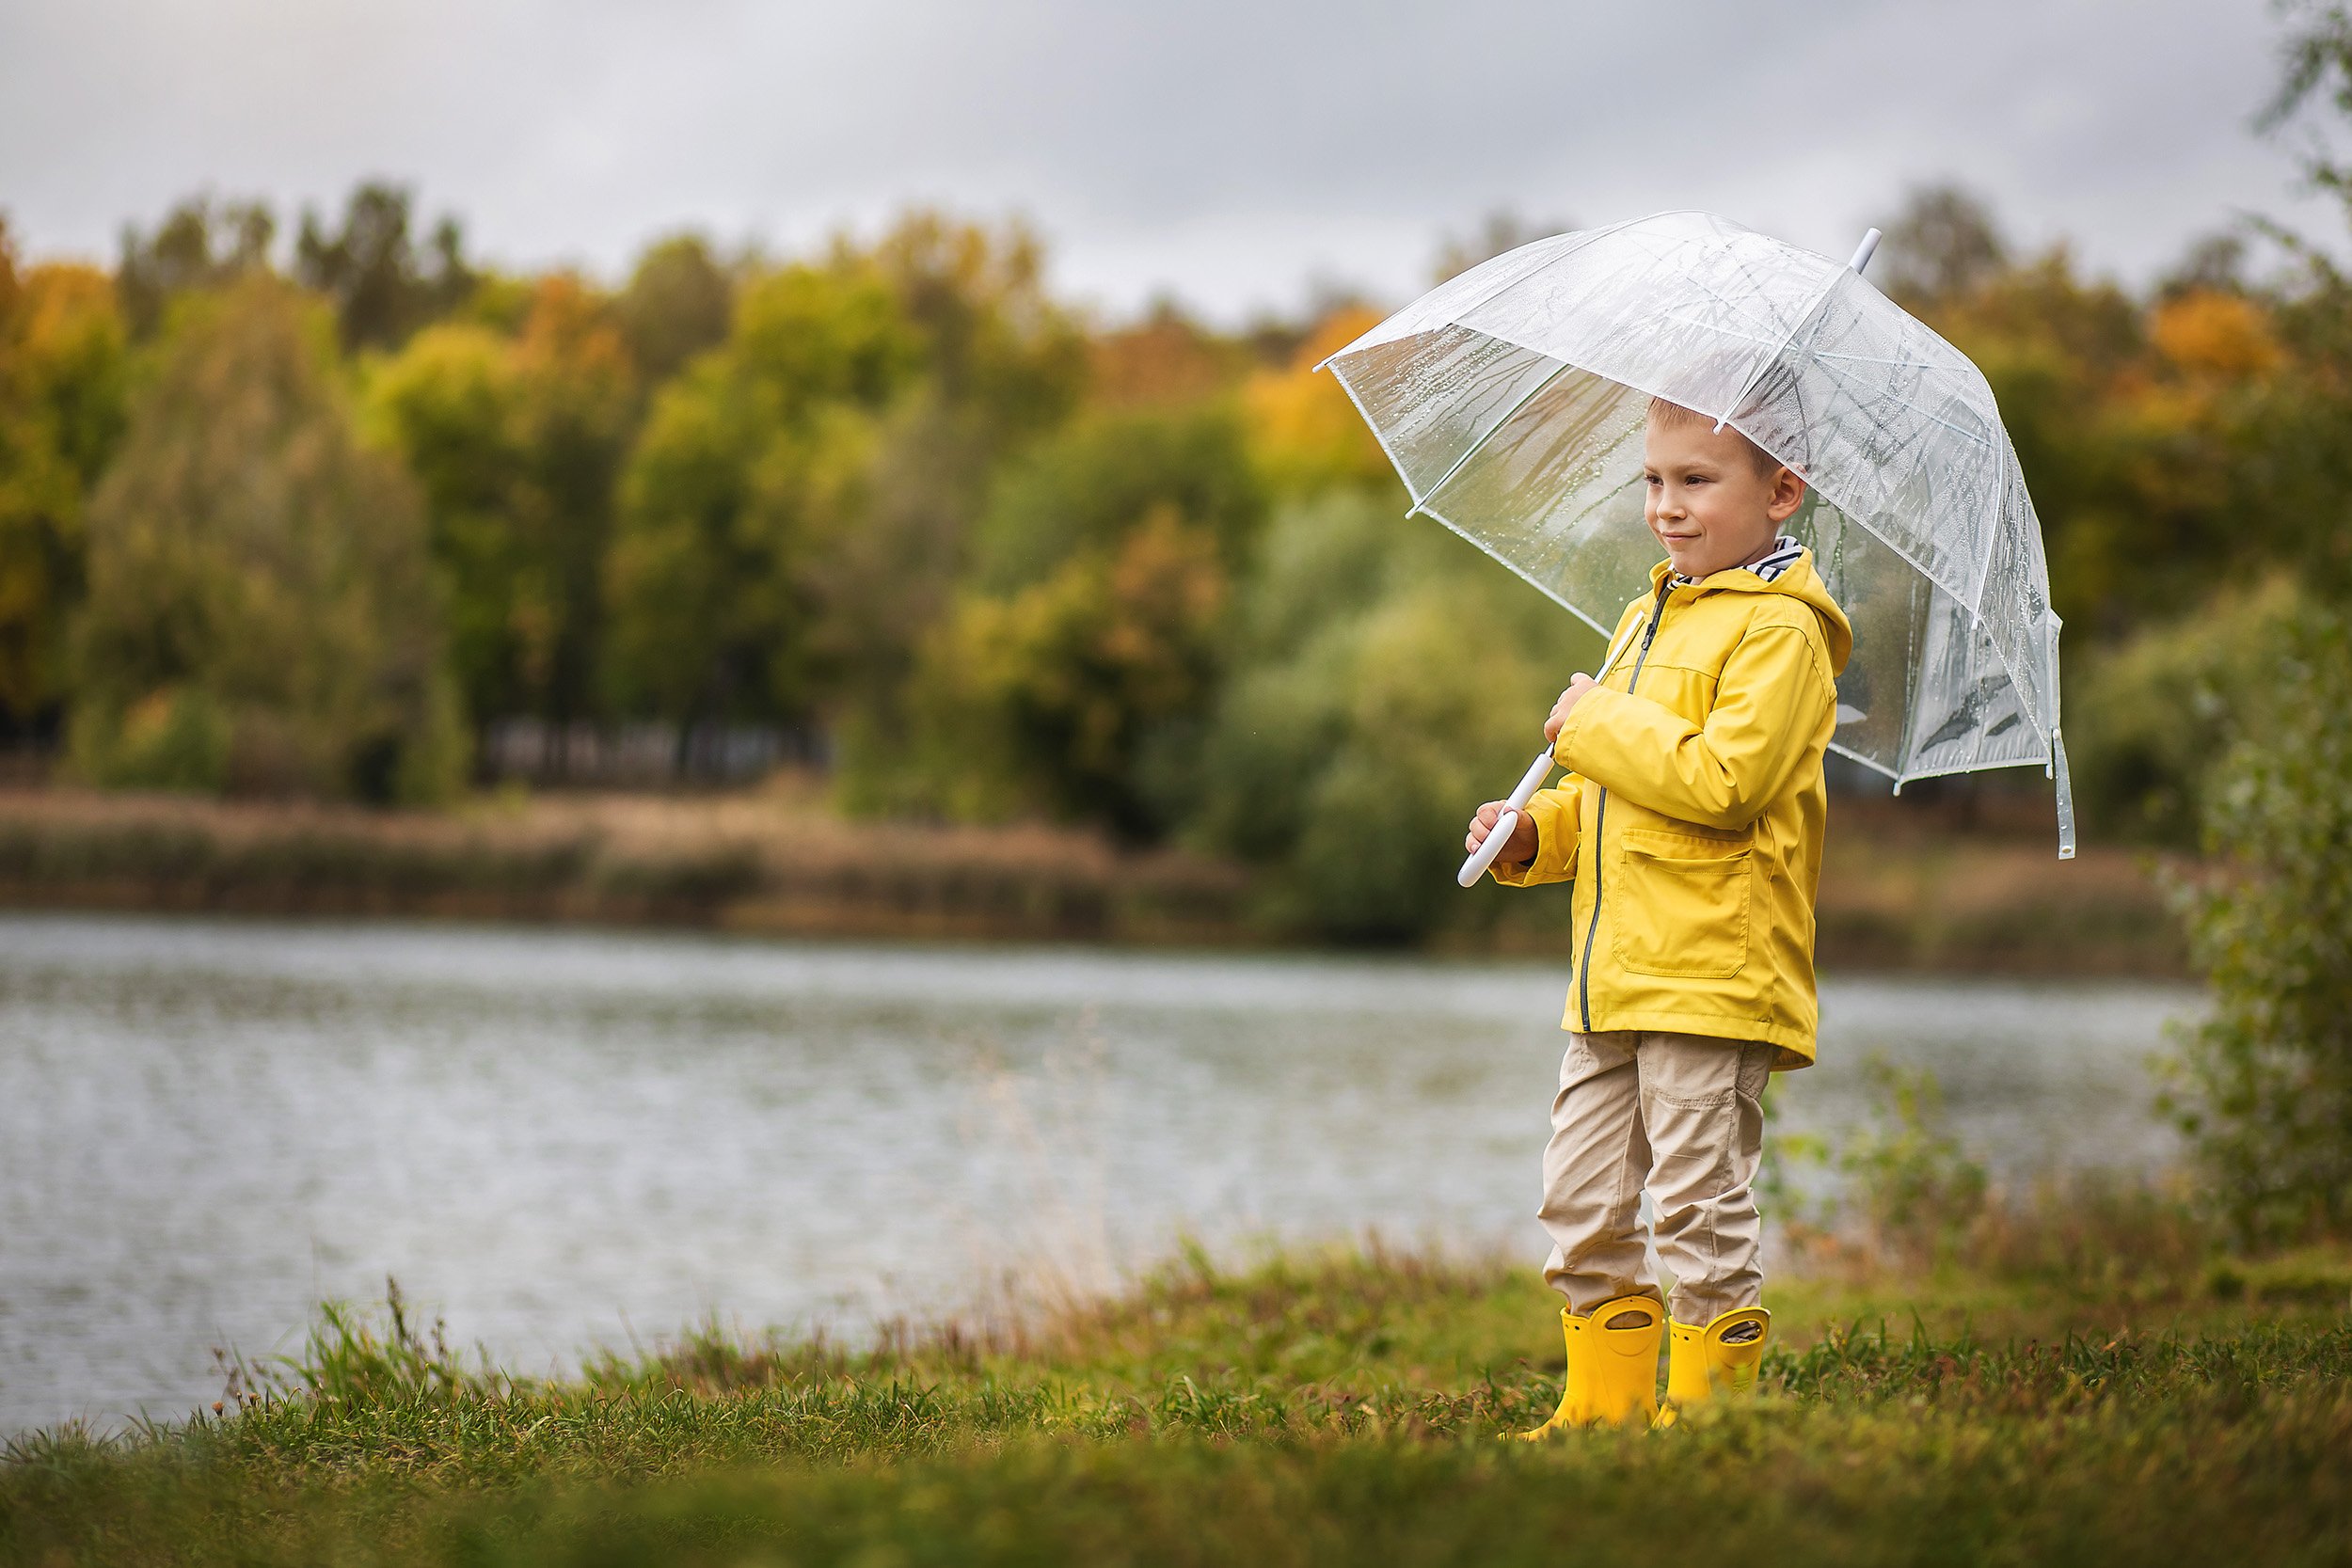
x,y
828,480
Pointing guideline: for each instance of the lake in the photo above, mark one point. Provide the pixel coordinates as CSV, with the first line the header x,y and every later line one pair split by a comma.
x,y
565,1138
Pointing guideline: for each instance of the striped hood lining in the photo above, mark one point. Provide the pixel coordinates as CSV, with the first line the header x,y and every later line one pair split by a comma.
x,y
1785,554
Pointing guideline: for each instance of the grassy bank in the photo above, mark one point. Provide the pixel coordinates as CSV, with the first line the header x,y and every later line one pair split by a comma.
x,y
1905,887
2138,1402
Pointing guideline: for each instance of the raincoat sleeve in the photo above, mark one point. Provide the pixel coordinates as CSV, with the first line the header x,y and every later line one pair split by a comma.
x,y
1769,700
1554,813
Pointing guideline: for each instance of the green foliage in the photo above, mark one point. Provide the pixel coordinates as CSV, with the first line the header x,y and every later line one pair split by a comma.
x,y
383,289
1053,697
2267,1078
198,245
2151,716
1070,677
795,513
1903,1185
251,565
1386,679
1090,482
63,380
518,442
677,303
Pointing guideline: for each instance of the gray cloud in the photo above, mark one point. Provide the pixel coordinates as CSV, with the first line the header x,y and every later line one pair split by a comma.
x,y
1223,149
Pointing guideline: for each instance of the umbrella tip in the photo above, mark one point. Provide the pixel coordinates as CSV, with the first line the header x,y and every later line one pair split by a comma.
x,y
1862,252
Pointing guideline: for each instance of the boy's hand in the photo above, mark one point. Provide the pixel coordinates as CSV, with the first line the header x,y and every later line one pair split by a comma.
x,y
1518,850
1578,684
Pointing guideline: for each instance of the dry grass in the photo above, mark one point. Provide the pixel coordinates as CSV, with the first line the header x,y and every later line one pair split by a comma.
x,y
770,861
1904,886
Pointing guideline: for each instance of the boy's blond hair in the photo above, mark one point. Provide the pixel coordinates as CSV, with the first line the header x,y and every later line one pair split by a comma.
x,y
1667,413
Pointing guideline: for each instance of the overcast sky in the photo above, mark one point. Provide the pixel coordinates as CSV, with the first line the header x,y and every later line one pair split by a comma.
x,y
1228,151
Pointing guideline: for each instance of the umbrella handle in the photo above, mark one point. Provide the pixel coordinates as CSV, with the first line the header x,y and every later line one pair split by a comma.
x,y
1483,856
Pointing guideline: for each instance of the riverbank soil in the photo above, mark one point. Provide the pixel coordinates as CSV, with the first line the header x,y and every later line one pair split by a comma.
x,y
1905,885
2133,1401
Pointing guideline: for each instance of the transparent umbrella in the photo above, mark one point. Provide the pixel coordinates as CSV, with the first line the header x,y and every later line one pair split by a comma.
x,y
1511,400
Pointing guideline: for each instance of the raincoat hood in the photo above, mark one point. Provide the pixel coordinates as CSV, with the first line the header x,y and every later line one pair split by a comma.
x,y
1800,581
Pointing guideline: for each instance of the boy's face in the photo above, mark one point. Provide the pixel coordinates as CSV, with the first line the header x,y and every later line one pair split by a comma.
x,y
1707,503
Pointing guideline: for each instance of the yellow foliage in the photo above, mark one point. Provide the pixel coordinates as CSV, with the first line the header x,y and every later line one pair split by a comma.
x,y
2207,332
1074,671
1158,362
1304,433
62,356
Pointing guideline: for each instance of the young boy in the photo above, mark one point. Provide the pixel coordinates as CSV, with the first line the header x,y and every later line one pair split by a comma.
x,y
1691,823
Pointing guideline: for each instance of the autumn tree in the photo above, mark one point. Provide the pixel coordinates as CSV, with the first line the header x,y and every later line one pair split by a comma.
x,y
62,384
260,614
518,442
796,509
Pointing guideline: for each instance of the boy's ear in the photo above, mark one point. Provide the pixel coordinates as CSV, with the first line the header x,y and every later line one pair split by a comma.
x,y
1787,494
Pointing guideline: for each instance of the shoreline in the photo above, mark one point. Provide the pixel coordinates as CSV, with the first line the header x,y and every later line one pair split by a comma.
x,y
1901,893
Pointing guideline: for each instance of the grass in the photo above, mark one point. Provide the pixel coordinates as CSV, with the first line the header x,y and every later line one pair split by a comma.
x,y
2150,1403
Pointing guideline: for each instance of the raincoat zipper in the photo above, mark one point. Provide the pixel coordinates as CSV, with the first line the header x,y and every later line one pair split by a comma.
x,y
1601,817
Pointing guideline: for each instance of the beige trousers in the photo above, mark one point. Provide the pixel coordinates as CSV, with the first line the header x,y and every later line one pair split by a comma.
x,y
1681,1116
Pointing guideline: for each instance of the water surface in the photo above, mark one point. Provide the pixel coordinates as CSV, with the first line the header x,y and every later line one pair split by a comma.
x,y
561,1138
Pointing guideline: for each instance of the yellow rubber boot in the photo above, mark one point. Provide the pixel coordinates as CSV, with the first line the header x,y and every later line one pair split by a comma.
x,y
1717,1360
1621,1386
1572,1394
1612,1375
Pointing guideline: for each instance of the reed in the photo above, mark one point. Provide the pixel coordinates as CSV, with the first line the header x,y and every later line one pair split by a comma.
x,y
1894,895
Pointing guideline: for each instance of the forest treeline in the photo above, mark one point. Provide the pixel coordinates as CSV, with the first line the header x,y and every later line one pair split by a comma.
x,y
304,518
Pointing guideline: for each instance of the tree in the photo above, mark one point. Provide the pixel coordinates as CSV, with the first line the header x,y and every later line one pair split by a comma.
x,y
62,385
1941,247
200,244
677,303
260,614
1381,680
2318,58
518,443
1502,229
707,572
1050,698
1305,435
796,508
371,269
1166,360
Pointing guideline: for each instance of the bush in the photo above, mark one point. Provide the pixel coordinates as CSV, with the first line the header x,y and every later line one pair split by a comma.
x,y
1388,679
2151,717
2266,1081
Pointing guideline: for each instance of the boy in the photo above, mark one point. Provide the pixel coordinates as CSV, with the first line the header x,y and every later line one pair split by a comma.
x,y
1691,823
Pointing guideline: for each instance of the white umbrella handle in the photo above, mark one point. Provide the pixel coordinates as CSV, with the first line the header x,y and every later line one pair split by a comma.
x,y
1483,856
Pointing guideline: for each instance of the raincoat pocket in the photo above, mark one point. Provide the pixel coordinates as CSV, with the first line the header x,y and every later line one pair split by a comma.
x,y
1684,911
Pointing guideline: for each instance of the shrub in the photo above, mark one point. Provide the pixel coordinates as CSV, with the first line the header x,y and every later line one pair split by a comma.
x,y
2265,1082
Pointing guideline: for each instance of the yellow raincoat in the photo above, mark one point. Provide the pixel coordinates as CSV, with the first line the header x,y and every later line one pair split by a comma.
x,y
1690,819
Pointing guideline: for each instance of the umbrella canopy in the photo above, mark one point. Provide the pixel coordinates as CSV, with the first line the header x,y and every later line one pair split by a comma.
x,y
1512,400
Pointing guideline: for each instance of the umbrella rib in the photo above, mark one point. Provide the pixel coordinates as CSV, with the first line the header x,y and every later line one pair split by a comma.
x,y
1766,363
1969,436
1420,503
